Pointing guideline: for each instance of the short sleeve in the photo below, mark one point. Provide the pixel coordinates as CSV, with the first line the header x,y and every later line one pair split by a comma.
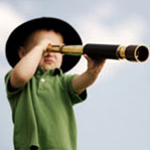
x,y
75,98
9,90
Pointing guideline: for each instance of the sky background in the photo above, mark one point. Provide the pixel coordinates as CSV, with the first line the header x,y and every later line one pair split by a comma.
x,y
116,114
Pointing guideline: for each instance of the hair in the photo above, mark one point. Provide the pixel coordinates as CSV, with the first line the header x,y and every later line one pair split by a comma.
x,y
25,42
29,36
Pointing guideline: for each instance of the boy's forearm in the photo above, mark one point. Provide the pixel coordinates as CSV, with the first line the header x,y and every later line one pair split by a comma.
x,y
26,67
81,82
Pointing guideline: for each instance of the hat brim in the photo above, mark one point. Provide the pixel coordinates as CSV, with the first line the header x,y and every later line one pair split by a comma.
x,y
21,33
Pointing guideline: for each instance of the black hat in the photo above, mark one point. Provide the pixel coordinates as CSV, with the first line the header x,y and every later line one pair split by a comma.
x,y
21,33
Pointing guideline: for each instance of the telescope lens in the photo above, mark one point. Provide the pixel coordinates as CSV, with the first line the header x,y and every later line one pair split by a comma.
x,y
142,53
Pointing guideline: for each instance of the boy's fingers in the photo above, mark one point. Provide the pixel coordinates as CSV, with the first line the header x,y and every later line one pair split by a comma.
x,y
47,50
87,57
97,61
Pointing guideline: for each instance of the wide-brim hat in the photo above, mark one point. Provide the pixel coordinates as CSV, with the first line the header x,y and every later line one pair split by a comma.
x,y
21,33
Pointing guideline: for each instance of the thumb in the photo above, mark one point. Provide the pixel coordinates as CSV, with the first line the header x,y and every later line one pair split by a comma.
x,y
87,58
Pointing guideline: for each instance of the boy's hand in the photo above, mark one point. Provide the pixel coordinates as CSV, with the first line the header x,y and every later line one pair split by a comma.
x,y
94,66
81,82
43,44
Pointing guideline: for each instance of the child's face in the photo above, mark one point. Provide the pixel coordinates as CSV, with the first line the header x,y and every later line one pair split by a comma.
x,y
50,60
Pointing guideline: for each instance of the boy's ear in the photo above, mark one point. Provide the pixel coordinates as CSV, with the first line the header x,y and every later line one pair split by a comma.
x,y
21,52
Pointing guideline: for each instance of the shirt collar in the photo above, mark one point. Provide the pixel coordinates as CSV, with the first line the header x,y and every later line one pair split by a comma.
x,y
53,72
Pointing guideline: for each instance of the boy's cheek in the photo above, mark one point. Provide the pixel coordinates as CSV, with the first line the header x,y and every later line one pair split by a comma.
x,y
41,62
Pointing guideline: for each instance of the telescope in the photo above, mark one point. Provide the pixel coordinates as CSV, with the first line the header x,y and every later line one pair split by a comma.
x,y
136,53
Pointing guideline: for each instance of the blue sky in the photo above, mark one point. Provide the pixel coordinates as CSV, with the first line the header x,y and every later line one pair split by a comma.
x,y
116,114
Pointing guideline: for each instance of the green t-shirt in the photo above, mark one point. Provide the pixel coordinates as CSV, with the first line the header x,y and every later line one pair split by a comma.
x,y
42,111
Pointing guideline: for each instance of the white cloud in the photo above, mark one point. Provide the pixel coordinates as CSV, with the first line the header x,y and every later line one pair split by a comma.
x,y
9,19
124,30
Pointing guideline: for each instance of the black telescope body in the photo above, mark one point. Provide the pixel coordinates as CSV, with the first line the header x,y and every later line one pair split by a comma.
x,y
137,53
132,52
101,50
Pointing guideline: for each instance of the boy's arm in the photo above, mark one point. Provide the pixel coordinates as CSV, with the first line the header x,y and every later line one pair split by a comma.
x,y
81,82
26,67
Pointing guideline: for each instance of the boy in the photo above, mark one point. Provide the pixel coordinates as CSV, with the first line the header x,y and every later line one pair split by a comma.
x,y
40,95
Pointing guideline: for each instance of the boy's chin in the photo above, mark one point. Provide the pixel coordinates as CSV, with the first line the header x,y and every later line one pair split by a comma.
x,y
47,68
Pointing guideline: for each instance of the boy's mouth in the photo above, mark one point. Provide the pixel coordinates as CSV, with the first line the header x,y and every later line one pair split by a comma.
x,y
48,60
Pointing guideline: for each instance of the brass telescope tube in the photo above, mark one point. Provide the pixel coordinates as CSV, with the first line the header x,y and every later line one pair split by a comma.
x,y
137,53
